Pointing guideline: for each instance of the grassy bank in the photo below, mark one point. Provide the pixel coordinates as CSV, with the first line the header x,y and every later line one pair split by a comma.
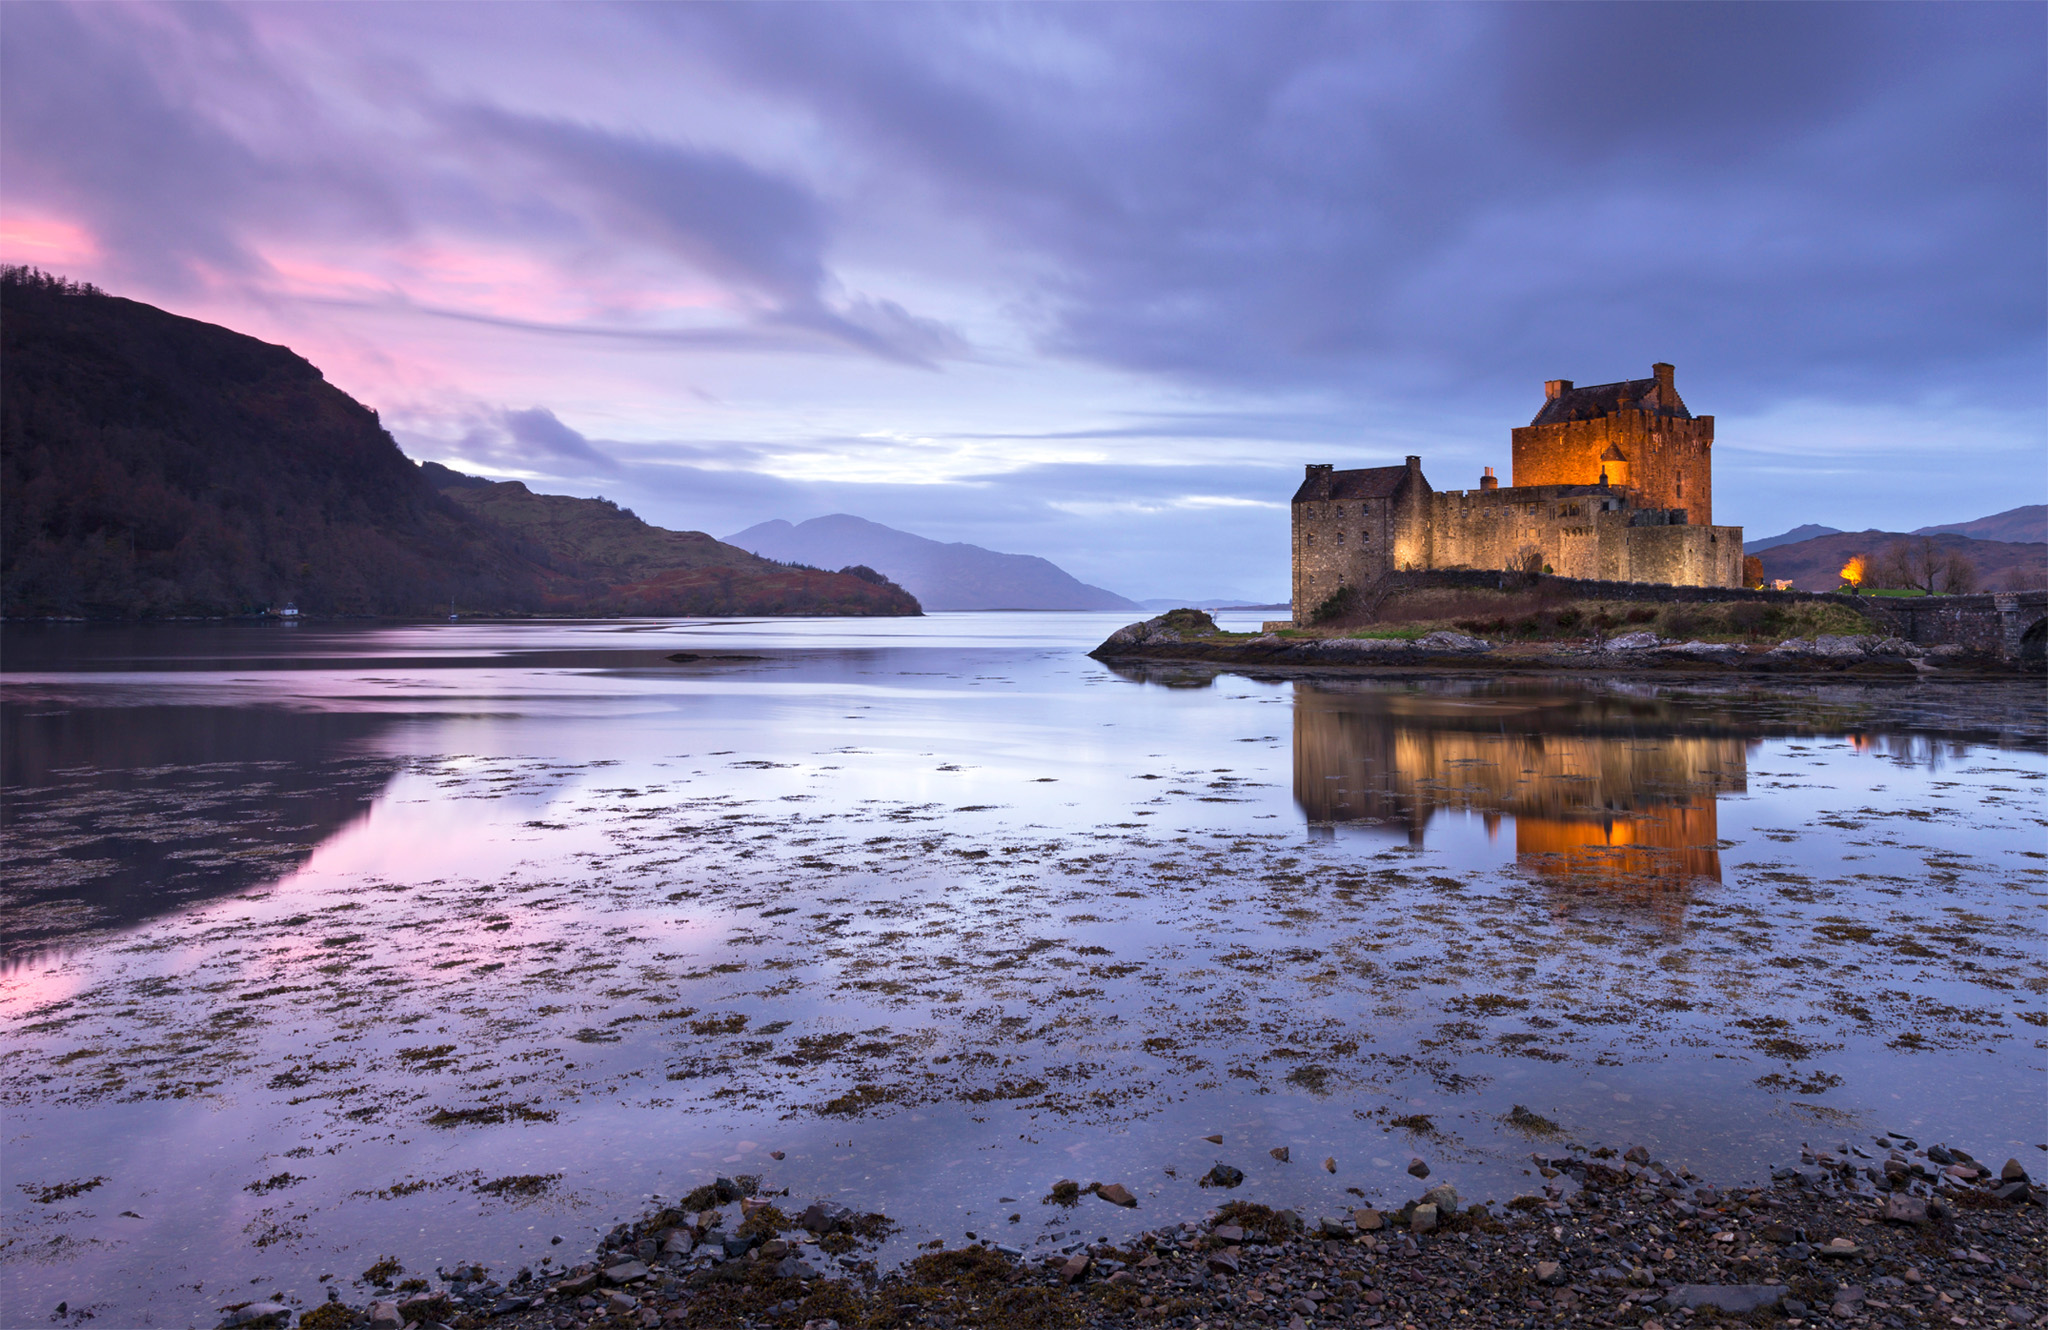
x,y
1535,615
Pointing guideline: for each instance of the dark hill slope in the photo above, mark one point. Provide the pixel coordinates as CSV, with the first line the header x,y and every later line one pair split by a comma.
x,y
2023,525
648,570
155,465
152,465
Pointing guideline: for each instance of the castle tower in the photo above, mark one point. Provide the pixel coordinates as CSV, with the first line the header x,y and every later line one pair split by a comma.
x,y
1638,432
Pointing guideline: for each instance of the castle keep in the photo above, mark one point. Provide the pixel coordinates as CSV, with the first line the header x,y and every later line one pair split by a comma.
x,y
1612,482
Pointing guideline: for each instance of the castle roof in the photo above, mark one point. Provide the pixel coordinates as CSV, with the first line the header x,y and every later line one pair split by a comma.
x,y
1596,400
1372,482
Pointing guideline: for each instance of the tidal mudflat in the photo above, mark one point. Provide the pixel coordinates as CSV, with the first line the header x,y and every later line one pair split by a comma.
x,y
330,944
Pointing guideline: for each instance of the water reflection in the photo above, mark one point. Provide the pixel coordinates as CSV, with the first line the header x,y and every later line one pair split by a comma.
x,y
115,816
924,915
1607,789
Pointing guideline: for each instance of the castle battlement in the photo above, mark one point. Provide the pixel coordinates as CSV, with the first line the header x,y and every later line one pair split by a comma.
x,y
1612,482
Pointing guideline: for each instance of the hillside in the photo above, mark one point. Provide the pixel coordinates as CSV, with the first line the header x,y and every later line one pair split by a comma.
x,y
647,569
154,466
2026,523
1816,564
943,576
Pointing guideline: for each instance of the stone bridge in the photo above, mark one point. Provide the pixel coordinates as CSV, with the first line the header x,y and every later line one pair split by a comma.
x,y
2012,625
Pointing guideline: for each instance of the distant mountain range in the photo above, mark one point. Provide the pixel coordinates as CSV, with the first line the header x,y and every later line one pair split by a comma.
x,y
2018,525
155,466
942,575
1815,564
1792,537
1209,603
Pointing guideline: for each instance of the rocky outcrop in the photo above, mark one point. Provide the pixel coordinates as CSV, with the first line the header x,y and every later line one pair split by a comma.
x,y
1191,636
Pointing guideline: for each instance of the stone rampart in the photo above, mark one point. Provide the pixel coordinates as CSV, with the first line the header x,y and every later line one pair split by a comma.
x,y
1587,588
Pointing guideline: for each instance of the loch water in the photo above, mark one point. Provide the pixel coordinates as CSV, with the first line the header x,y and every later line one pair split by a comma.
x,y
321,943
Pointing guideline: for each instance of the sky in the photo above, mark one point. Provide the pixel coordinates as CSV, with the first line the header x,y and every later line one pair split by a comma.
x,y
1091,282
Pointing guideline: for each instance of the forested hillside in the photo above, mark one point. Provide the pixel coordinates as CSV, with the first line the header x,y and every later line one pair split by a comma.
x,y
154,466
646,569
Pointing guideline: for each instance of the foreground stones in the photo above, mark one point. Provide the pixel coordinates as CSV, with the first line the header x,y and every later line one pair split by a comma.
x,y
1613,1240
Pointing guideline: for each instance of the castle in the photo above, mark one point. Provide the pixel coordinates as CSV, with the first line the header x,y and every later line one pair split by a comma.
x,y
1612,482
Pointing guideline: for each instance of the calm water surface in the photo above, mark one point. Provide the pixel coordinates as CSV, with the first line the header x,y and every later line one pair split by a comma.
x,y
311,935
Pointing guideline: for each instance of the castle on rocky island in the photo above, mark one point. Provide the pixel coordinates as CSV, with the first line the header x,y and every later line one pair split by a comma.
x,y
1612,482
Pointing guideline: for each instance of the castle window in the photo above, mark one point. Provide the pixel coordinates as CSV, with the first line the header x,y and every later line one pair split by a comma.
x,y
1309,538
1340,537
1364,536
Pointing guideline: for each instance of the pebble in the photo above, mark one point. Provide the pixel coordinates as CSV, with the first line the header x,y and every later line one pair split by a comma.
x,y
1117,1194
1223,1175
1627,1236
1733,1299
1416,1168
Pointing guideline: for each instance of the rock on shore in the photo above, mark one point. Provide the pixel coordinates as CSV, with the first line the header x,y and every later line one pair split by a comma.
x,y
1884,1234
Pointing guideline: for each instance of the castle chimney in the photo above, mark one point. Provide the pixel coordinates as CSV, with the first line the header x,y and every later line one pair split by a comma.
x,y
1489,481
1663,374
1414,463
1319,476
1555,388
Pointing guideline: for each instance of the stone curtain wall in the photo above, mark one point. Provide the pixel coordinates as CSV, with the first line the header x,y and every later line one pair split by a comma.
x,y
1670,458
1585,588
1578,531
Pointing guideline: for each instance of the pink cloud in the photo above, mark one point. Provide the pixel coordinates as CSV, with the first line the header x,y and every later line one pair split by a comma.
x,y
46,242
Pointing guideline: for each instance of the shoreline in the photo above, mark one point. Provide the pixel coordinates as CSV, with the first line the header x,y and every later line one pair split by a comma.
x,y
1862,657
1855,1234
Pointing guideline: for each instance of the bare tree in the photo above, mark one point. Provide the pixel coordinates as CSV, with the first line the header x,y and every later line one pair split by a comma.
x,y
2027,579
1920,564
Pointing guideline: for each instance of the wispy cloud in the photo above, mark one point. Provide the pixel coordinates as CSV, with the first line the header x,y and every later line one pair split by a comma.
x,y
1021,261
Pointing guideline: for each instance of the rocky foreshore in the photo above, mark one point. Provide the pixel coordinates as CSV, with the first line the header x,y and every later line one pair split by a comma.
x,y
1189,636
1884,1233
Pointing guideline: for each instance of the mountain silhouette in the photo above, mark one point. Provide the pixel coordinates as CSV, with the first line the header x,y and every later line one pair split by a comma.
x,y
942,575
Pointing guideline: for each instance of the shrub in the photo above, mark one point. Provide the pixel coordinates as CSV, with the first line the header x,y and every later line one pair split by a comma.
x,y
1340,603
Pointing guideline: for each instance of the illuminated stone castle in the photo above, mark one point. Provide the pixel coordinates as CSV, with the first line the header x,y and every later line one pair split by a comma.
x,y
1612,482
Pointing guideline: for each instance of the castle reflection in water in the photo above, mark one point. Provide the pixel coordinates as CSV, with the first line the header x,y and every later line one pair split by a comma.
x,y
1605,790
